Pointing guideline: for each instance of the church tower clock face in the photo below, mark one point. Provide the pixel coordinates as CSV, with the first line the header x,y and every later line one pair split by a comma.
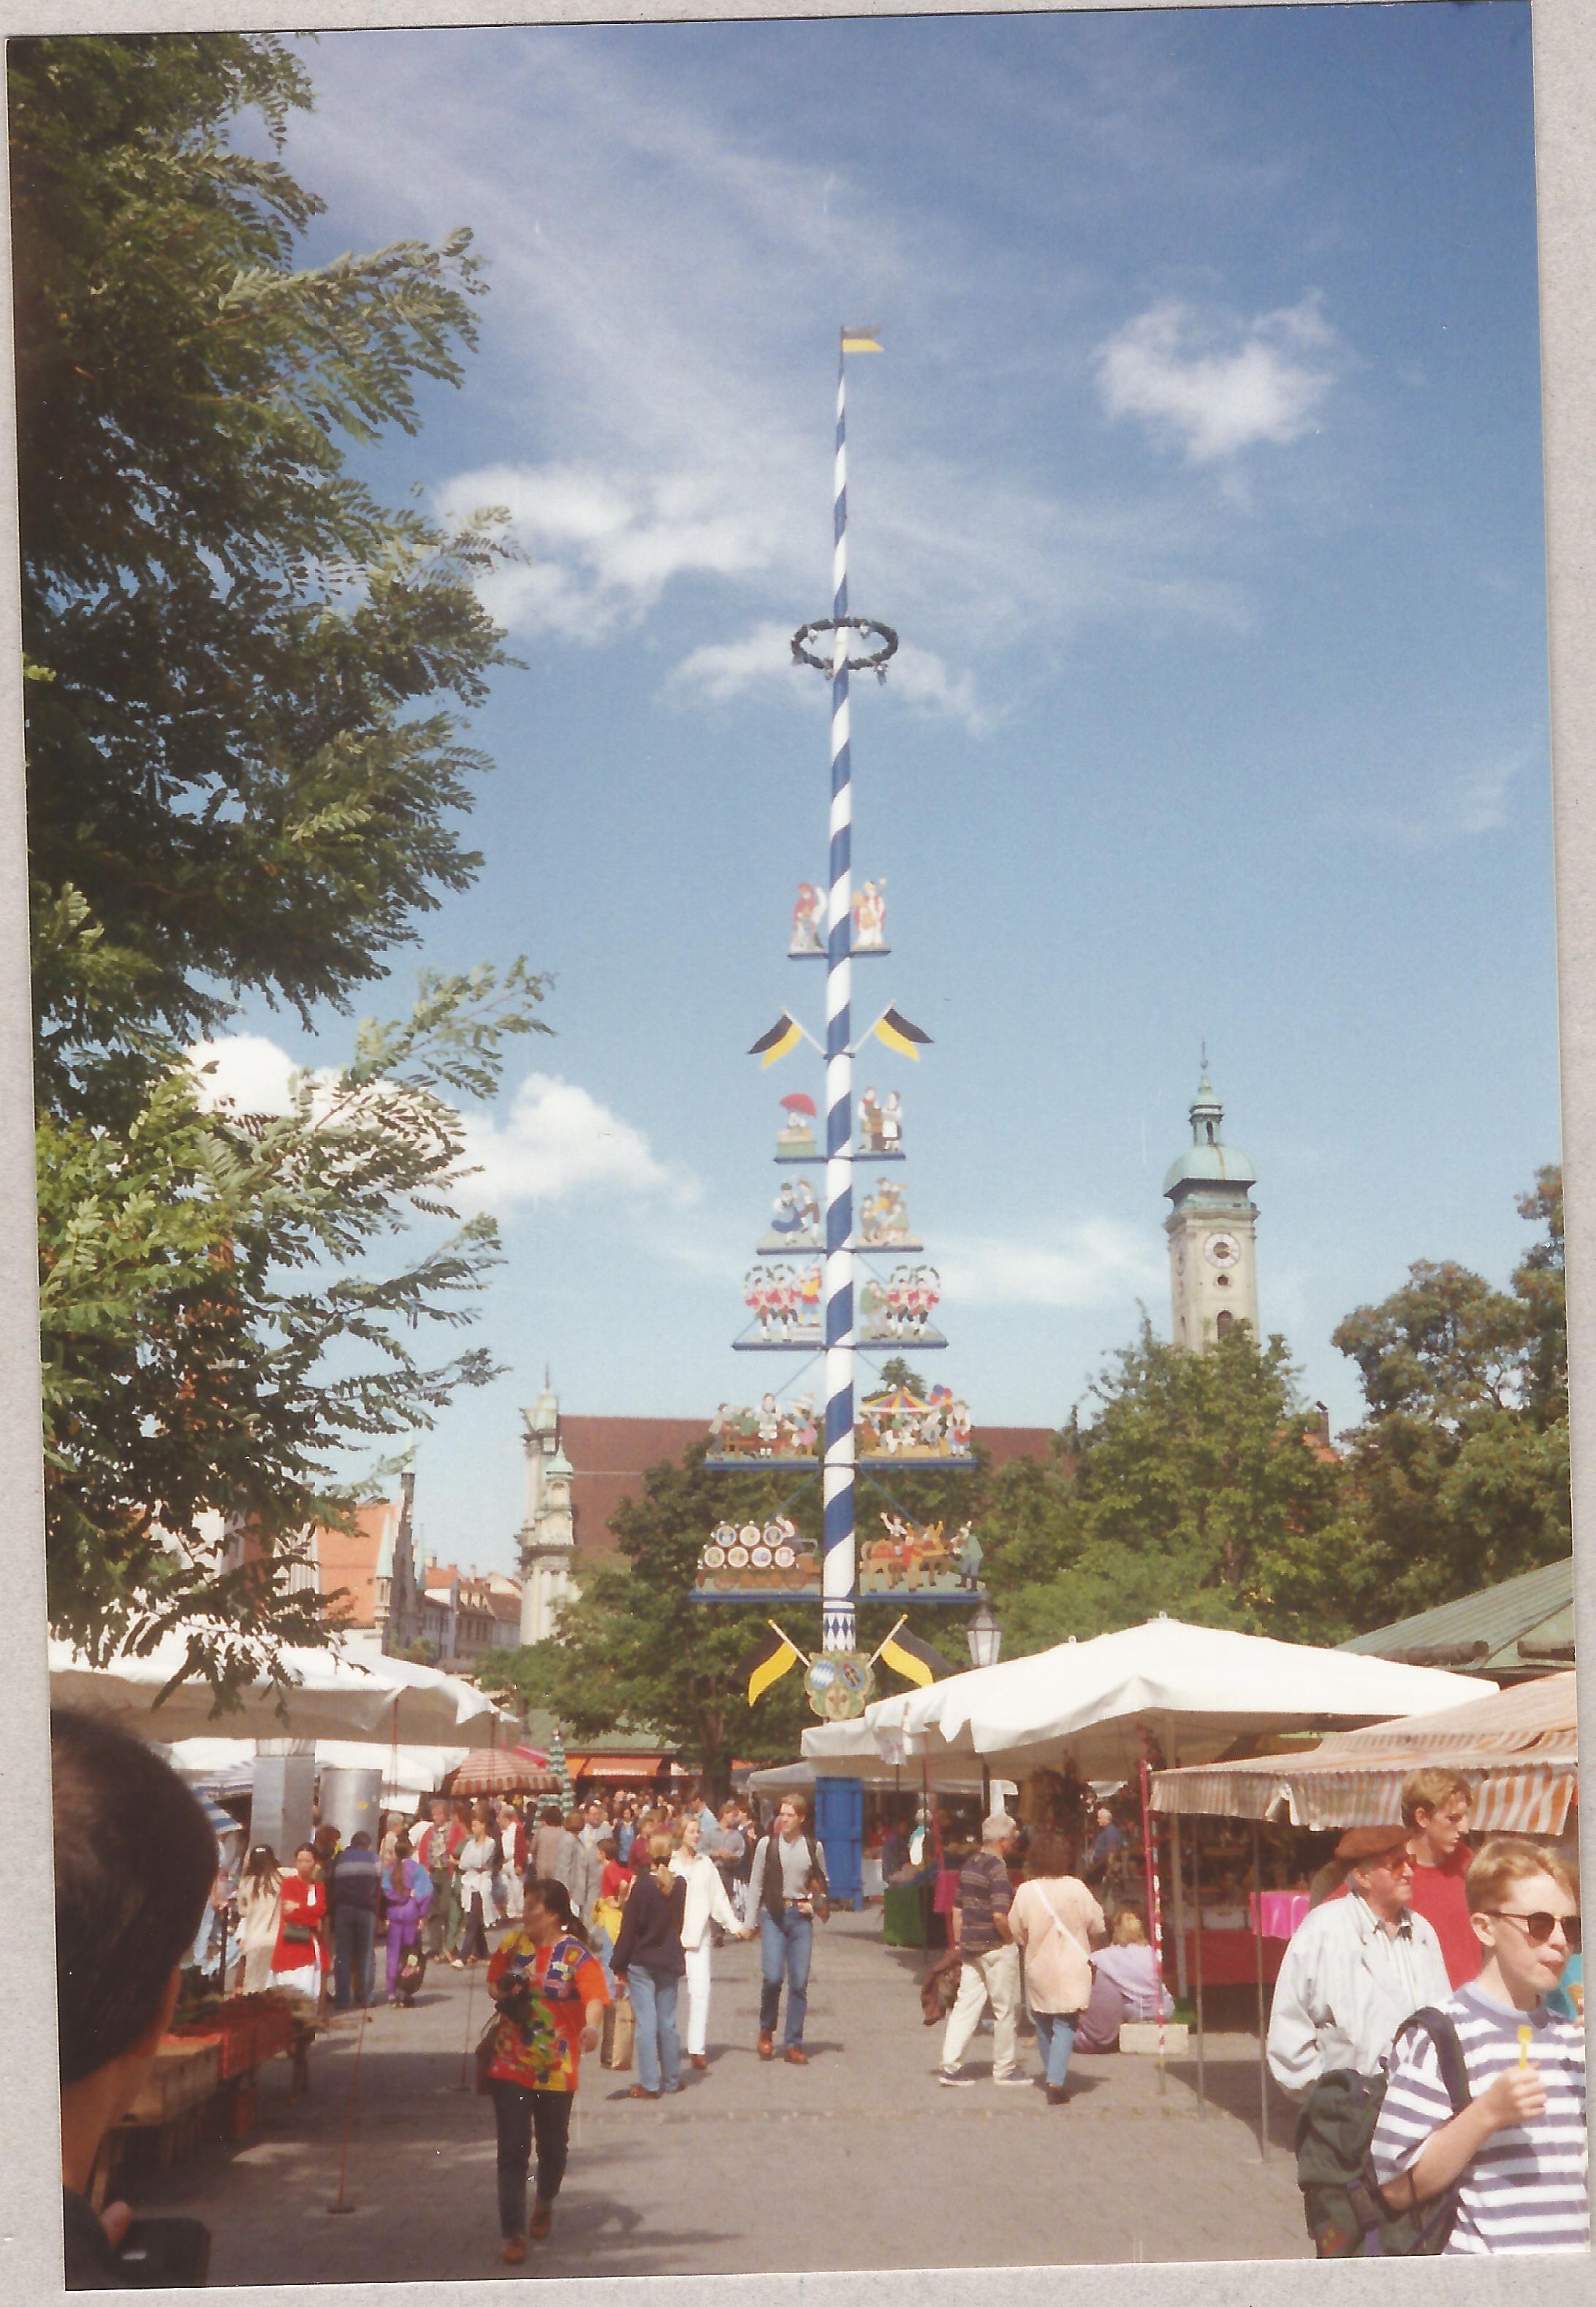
x,y
1223,1250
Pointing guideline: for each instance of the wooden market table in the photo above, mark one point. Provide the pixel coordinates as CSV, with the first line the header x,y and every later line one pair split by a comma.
x,y
201,2085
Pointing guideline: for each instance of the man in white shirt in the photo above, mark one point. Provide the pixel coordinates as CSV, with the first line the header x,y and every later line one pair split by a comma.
x,y
1355,1969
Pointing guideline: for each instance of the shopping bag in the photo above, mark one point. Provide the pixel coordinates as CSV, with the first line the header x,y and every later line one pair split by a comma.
x,y
621,2027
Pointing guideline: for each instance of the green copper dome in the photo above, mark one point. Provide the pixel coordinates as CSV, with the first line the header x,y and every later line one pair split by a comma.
x,y
1207,1159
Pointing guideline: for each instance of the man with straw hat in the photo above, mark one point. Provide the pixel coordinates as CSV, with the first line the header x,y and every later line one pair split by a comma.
x,y
1356,1967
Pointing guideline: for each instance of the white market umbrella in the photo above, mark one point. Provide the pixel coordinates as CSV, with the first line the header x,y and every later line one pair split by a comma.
x,y
849,1750
1197,1688
384,1700
228,1764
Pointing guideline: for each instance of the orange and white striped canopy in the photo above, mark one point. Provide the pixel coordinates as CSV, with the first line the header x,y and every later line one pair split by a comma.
x,y
1517,1749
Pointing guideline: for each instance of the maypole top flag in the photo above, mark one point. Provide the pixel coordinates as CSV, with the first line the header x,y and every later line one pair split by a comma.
x,y
895,1029
785,1035
861,340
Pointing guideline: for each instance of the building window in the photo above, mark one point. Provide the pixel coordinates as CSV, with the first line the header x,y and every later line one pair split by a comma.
x,y
1225,1319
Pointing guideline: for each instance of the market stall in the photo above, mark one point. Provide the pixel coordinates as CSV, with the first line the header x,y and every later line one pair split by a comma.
x,y
339,1693
1517,1749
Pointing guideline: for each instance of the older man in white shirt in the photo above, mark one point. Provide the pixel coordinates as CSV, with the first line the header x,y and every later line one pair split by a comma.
x,y
1356,1967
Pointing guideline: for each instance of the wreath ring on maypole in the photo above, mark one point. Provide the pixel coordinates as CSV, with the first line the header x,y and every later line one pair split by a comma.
x,y
875,664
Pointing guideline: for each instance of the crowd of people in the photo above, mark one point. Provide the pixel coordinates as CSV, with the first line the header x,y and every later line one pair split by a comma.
x,y
1428,2018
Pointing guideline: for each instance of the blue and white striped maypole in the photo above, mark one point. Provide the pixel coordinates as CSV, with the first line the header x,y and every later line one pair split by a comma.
x,y
838,1556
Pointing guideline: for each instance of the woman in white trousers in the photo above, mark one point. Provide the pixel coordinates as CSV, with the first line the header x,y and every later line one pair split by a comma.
x,y
706,1903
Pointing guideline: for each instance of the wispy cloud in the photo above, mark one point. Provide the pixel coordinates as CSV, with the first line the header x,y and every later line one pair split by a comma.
x,y
559,1143
1097,1262
762,660
1461,801
664,279
1214,385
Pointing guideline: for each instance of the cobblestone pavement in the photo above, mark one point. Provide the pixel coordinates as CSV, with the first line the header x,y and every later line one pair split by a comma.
x,y
858,2160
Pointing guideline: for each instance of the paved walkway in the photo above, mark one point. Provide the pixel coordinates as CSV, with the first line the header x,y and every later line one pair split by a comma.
x,y
858,2160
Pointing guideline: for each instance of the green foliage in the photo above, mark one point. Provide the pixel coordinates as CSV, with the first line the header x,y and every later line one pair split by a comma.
x,y
527,1673
245,766
224,1319
1459,1473
241,776
1194,1487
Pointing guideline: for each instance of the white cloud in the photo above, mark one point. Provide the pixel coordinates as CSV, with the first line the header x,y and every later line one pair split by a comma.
x,y
763,659
557,1142
1460,803
247,1072
1215,387
1097,1262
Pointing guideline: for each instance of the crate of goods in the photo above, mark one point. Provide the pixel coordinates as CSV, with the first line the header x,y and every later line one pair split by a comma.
x,y
1141,2035
185,2073
232,2027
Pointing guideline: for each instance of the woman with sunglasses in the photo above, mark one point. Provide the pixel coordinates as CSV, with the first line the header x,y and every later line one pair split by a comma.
x,y
1515,2157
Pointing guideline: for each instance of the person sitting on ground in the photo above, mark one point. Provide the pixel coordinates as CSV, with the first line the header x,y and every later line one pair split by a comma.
x,y
1517,2152
1125,1985
135,1859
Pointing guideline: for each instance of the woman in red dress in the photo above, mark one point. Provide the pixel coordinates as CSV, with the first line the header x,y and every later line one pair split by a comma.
x,y
299,1959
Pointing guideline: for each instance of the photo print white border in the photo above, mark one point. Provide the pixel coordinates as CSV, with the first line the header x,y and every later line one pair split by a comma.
x,y
1564,34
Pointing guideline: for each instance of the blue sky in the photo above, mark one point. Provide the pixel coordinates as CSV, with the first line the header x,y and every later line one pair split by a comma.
x,y
1202,477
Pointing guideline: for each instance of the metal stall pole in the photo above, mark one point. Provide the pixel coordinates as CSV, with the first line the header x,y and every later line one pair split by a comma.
x,y
1263,2063
1202,2094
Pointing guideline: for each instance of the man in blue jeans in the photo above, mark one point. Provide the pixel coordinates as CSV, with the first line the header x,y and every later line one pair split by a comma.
x,y
352,1895
789,1885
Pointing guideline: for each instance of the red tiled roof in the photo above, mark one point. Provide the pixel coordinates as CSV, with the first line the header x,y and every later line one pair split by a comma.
x,y
610,1455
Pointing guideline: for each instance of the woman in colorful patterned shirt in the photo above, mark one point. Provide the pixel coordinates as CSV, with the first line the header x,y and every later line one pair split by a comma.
x,y
552,1994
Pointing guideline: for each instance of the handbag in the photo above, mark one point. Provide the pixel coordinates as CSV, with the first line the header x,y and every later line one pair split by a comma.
x,y
487,2042
298,1934
620,2028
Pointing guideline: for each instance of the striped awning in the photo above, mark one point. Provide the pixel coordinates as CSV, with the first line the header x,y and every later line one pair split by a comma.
x,y
1510,1794
1517,1749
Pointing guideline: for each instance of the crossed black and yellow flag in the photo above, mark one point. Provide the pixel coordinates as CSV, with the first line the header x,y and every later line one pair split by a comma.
x,y
915,1661
768,1663
782,1036
895,1030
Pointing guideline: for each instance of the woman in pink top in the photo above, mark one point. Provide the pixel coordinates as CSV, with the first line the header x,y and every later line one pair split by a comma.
x,y
1055,1920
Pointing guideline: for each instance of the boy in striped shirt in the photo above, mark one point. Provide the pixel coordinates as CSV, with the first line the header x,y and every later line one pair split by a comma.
x,y
1517,2153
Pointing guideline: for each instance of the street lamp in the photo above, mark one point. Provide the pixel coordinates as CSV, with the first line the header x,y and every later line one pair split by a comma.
x,y
985,1637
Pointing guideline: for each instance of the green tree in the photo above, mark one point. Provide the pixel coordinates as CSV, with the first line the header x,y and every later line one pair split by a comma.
x,y
247,768
528,1674
244,769
1459,1471
635,1646
225,1317
1194,1485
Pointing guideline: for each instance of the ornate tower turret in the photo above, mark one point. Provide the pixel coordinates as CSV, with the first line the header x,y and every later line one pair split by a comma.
x,y
548,1534
1213,1272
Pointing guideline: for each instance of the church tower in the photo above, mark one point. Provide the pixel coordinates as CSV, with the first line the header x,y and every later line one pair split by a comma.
x,y
1213,1271
548,1534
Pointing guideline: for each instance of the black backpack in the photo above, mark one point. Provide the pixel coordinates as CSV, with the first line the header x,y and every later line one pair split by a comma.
x,y
1341,2197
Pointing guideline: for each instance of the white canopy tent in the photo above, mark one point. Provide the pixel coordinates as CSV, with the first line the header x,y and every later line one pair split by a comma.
x,y
1197,1689
333,1693
411,1773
